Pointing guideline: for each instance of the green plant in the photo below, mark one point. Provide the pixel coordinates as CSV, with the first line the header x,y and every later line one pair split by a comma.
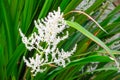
x,y
88,62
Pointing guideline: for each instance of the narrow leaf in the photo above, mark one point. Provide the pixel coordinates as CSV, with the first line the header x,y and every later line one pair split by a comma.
x,y
89,35
14,59
82,61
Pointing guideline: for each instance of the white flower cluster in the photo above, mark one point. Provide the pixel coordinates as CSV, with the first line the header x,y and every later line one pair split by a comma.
x,y
45,42
35,64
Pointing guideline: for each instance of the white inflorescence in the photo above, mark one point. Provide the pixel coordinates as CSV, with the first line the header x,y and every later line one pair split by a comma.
x,y
49,29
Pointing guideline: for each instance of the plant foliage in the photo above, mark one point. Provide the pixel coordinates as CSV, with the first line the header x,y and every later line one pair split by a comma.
x,y
92,59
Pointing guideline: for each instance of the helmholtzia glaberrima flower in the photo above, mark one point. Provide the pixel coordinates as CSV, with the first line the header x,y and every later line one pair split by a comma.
x,y
45,42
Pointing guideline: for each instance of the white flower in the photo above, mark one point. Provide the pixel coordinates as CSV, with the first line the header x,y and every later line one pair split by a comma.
x,y
62,57
35,64
48,32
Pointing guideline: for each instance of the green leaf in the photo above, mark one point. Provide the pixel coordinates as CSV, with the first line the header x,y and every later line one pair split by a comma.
x,y
104,70
96,5
82,61
89,35
2,64
70,5
8,27
14,59
45,8
110,16
94,58
63,4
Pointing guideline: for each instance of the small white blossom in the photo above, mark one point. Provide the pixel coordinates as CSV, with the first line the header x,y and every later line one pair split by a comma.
x,y
35,64
48,32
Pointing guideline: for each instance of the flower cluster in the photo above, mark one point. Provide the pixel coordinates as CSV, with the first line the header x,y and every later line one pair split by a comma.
x,y
45,42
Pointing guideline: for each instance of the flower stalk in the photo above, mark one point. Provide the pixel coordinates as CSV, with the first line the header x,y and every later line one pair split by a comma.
x,y
48,33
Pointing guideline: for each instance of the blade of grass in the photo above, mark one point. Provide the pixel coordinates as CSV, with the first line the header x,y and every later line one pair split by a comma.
x,y
63,4
89,35
82,61
45,8
14,59
81,12
70,5
105,76
27,18
70,42
55,4
97,70
2,64
94,38
94,7
110,16
8,28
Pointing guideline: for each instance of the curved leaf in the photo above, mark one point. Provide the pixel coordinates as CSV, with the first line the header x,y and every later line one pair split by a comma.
x,y
89,35
82,61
